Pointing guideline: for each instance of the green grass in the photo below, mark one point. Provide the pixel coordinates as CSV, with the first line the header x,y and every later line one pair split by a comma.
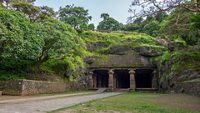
x,y
137,103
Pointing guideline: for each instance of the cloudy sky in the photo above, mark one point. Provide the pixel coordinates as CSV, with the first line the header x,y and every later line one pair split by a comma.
x,y
117,9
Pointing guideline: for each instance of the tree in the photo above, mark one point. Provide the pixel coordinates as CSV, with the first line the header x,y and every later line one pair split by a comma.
x,y
178,24
25,6
152,28
161,16
58,39
152,7
45,12
109,23
105,16
75,16
91,27
19,42
136,25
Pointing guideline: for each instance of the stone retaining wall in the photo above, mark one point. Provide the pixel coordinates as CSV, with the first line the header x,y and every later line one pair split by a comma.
x,y
192,88
31,87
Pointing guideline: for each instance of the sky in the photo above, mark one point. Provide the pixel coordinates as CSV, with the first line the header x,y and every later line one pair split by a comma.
x,y
118,9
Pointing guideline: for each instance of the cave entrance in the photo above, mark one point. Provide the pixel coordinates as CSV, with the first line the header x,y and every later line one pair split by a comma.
x,y
122,78
143,78
101,78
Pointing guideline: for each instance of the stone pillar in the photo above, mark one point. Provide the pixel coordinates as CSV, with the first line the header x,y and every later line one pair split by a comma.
x,y
91,79
132,80
114,81
94,81
154,80
110,79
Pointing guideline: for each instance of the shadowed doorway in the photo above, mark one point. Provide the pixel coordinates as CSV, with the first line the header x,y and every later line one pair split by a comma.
x,y
143,78
122,78
101,78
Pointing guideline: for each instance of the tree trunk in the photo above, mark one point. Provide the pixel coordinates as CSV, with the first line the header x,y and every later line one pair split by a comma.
x,y
44,57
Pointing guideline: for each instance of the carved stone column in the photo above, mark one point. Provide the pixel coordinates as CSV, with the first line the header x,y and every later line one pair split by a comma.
x,y
114,81
110,79
132,80
91,79
154,80
94,81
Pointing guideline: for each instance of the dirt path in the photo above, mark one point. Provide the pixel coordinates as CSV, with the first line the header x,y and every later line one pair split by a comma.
x,y
42,106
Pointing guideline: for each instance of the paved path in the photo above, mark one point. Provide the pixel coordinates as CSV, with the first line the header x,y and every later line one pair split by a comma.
x,y
17,99
42,106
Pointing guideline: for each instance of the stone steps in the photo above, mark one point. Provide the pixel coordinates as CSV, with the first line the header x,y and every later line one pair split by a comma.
x,y
146,89
101,90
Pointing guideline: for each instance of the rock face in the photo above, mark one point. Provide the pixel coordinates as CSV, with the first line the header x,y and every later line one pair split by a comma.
x,y
184,81
125,56
118,50
130,59
192,88
147,51
187,82
94,45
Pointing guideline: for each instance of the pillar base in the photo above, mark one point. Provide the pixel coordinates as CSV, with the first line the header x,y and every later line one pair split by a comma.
x,y
131,90
110,90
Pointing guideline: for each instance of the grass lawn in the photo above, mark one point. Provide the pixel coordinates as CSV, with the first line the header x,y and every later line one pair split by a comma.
x,y
139,103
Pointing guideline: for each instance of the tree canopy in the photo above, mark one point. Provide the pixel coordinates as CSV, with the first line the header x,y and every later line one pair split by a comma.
x,y
108,23
77,17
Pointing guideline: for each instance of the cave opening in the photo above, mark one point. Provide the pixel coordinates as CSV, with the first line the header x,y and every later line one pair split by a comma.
x,y
102,78
122,78
143,78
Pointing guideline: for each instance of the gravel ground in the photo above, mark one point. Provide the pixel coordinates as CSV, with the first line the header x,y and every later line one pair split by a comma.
x,y
43,106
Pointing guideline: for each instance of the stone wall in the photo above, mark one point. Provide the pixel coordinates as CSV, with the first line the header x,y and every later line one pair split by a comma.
x,y
192,88
31,87
12,87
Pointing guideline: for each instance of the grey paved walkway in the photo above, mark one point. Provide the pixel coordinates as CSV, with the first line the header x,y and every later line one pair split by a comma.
x,y
42,106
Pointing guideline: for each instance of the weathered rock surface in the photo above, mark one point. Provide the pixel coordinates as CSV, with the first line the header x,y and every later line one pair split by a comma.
x,y
130,59
118,50
95,45
147,51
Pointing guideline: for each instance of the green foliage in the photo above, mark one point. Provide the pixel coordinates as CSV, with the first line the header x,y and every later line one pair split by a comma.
x,y
178,24
190,59
109,24
196,20
45,43
61,46
166,56
11,75
130,39
150,25
75,16
91,27
152,28
19,43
